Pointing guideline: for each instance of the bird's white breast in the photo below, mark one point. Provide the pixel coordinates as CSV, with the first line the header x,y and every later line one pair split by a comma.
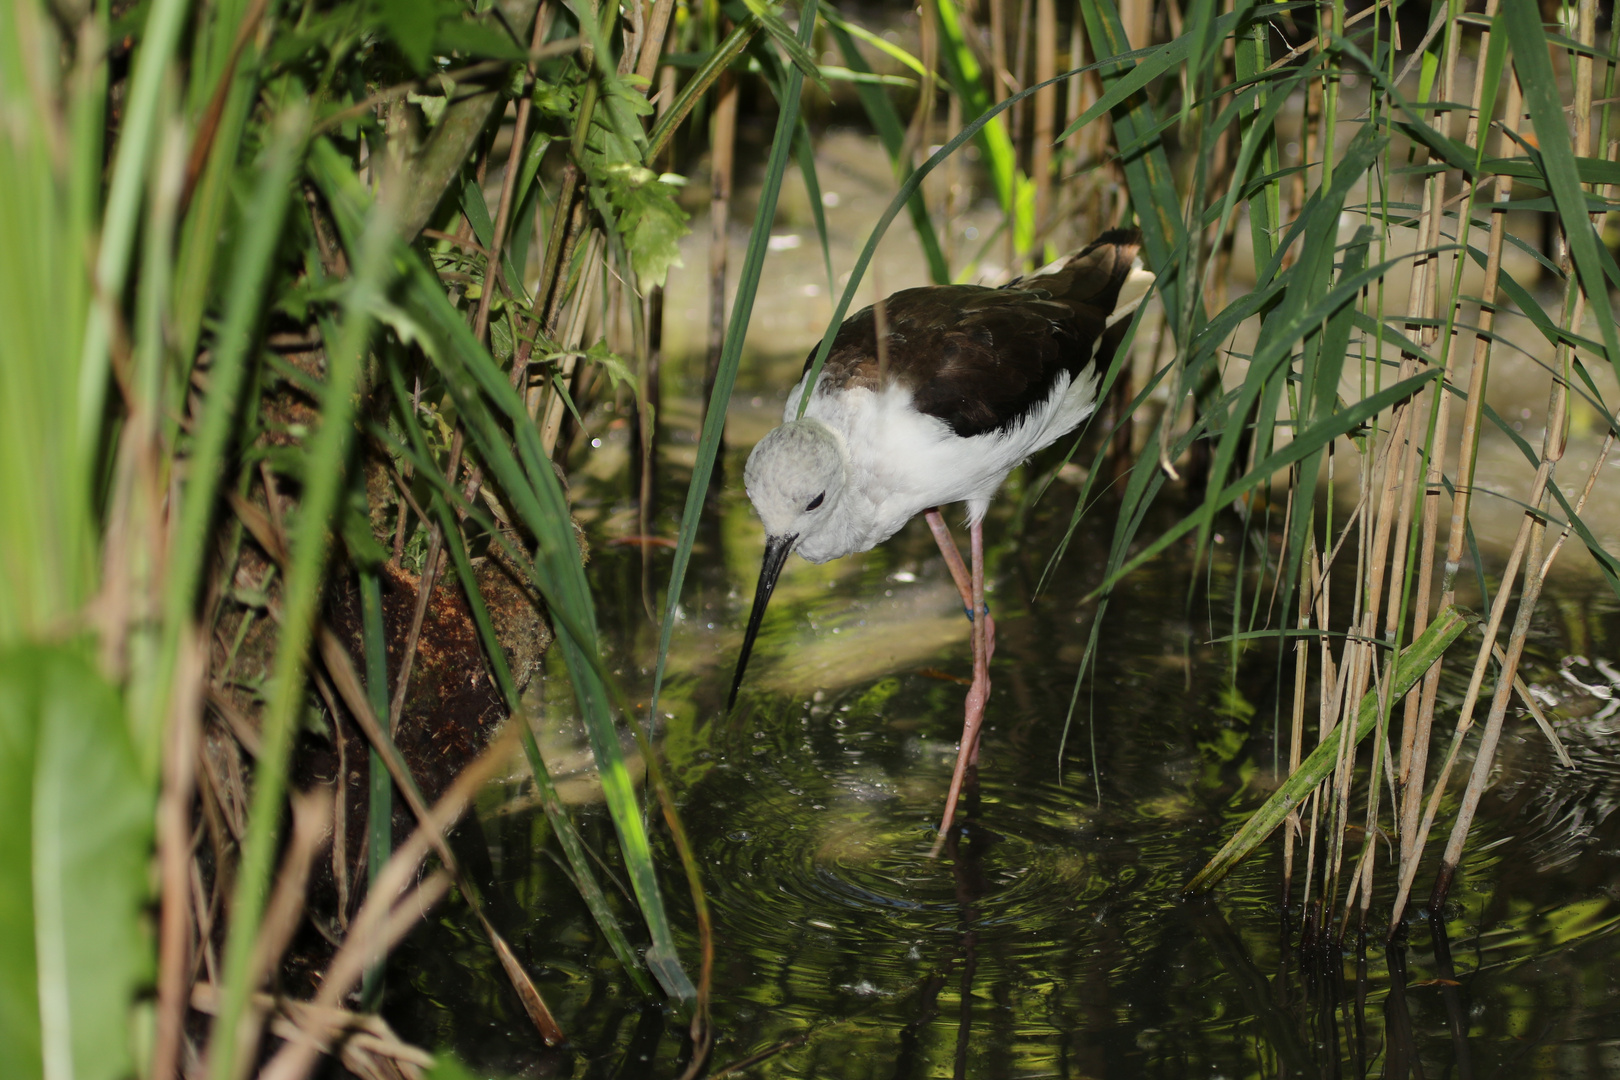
x,y
903,462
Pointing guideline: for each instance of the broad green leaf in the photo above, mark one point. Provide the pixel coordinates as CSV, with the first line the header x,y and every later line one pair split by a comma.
x,y
73,943
19,976
412,26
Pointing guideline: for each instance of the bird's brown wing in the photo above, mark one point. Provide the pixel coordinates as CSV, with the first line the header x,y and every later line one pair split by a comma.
x,y
983,359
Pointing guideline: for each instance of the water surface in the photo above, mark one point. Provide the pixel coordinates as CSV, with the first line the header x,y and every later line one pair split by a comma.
x,y
1050,939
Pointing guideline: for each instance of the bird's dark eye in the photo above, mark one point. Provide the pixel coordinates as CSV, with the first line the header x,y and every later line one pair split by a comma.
x,y
815,502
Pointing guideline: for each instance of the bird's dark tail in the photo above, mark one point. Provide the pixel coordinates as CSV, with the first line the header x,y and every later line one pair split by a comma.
x,y
1107,277
1106,274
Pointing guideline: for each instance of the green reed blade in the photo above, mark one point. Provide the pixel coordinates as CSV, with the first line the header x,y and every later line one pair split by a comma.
x,y
246,290
537,498
485,401
380,799
839,25
1301,309
326,459
213,196
805,152
477,211
1001,159
581,872
1304,444
1153,63
798,53
48,465
742,308
73,868
714,63
1146,165
137,141
1414,660
1558,164
1121,360
892,133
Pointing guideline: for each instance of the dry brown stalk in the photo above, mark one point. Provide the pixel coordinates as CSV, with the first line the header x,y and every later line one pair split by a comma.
x,y
1485,755
1468,441
424,593
652,42
345,678
722,155
282,914
1554,442
1020,79
340,666
365,1037
1418,719
1045,113
389,911
1386,548
1000,79
175,847
1296,735
323,1026
240,727
503,212
1466,715
205,963
1591,480
492,262
583,300
921,129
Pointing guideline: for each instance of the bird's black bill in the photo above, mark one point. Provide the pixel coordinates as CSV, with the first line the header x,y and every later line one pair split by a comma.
x,y
776,553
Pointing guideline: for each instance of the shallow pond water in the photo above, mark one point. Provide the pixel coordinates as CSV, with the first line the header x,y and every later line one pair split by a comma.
x,y
1051,939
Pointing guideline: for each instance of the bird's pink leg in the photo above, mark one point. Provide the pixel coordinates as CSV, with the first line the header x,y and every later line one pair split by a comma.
x,y
984,643
959,573
953,557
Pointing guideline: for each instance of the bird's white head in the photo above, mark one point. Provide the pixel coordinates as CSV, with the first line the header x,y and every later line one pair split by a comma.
x,y
796,477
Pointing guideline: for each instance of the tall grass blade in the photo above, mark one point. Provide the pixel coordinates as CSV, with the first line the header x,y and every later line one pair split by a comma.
x,y
1014,191
1143,157
485,399
327,458
1558,165
716,62
892,133
579,862
742,307
137,141
380,796
246,288
1301,448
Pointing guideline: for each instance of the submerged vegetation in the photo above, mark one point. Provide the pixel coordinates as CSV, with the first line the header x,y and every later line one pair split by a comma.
x,y
303,307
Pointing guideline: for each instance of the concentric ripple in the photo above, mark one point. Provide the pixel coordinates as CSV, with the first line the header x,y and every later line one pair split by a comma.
x,y
848,858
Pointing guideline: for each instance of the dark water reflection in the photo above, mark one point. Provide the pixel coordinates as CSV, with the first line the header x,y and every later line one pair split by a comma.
x,y
1050,940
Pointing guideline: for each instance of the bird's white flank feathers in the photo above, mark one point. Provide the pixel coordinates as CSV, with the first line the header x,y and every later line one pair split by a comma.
x,y
896,462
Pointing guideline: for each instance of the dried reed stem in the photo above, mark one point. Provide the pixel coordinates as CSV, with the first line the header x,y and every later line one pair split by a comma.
x,y
1045,114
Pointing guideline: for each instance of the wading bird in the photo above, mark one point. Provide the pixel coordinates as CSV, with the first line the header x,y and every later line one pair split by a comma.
x,y
965,383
